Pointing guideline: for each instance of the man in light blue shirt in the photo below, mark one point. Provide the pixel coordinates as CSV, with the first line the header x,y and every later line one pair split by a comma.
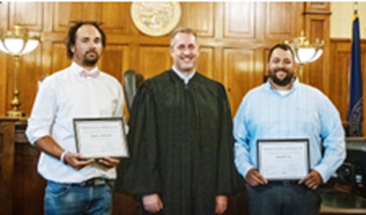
x,y
284,108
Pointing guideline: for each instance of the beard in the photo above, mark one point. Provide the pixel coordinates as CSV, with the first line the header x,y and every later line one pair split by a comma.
x,y
90,61
281,82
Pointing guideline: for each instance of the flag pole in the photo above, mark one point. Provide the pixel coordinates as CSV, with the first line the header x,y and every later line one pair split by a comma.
x,y
355,8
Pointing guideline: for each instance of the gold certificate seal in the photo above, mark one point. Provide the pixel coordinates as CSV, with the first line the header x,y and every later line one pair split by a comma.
x,y
155,18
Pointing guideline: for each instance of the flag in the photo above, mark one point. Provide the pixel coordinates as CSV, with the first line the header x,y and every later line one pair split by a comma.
x,y
355,109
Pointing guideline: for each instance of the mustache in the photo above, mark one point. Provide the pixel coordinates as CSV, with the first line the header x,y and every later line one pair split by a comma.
x,y
91,51
281,69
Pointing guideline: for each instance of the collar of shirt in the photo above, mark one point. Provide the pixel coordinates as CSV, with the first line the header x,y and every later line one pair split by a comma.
x,y
295,85
78,70
182,76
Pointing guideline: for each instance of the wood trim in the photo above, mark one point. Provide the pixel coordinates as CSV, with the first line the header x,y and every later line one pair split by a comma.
x,y
6,166
318,13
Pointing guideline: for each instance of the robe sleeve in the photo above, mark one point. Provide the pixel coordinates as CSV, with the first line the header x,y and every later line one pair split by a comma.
x,y
229,181
139,173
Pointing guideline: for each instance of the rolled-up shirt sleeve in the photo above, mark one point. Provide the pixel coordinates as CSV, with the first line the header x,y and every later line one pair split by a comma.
x,y
43,112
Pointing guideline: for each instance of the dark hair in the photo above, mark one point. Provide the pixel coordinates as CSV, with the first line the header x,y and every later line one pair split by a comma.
x,y
182,30
282,46
71,35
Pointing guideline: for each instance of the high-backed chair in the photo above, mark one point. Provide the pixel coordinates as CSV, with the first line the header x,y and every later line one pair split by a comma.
x,y
131,82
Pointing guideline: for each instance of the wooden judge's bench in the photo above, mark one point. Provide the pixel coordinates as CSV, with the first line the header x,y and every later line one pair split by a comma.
x,y
22,188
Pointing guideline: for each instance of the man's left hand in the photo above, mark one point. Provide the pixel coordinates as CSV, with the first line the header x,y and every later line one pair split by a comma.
x,y
221,204
109,162
312,180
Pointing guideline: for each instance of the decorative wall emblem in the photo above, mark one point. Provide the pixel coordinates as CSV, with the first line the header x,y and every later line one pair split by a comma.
x,y
155,18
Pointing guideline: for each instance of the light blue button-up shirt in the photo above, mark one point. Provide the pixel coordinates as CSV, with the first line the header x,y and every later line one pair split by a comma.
x,y
304,112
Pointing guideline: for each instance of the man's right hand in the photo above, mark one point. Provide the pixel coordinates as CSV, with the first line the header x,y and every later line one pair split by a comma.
x,y
254,178
152,203
77,161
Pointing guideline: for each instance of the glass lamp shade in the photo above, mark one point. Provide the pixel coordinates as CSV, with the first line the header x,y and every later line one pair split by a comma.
x,y
17,46
2,48
318,54
309,54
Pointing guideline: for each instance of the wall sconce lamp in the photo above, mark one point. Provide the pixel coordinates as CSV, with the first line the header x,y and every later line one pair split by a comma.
x,y
17,42
306,52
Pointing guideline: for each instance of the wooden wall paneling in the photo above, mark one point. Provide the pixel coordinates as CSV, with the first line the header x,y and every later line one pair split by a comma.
x,y
48,16
217,65
239,74
92,11
218,73
219,20
9,82
205,62
154,60
29,74
114,60
64,13
316,73
239,20
317,6
28,14
259,23
279,19
3,82
265,62
47,55
59,58
116,17
200,16
6,166
4,15
339,78
134,57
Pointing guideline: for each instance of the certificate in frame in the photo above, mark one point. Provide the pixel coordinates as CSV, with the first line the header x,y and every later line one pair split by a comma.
x,y
101,137
283,159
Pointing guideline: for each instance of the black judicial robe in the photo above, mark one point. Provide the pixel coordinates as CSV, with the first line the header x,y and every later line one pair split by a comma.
x,y
181,144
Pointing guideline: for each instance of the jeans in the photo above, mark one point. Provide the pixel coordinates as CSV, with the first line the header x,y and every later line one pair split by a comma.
x,y
76,199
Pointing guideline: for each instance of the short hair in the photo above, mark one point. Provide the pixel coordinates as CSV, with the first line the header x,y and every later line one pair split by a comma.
x,y
282,46
71,35
182,30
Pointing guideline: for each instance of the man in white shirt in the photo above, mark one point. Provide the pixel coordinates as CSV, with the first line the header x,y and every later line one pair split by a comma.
x,y
76,185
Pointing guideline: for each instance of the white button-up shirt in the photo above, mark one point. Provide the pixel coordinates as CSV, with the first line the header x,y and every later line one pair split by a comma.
x,y
185,78
62,97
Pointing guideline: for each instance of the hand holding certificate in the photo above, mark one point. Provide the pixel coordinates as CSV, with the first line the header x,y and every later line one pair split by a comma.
x,y
102,137
283,159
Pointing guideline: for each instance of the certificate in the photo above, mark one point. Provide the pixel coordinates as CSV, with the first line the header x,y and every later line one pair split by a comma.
x,y
100,137
283,159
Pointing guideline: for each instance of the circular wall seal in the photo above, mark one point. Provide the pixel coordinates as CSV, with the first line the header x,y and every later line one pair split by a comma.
x,y
155,18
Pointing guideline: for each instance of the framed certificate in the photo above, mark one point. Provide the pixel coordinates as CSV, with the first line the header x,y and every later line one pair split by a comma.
x,y
286,159
101,137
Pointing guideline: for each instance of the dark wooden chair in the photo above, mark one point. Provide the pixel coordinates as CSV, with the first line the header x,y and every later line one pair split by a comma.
x,y
131,82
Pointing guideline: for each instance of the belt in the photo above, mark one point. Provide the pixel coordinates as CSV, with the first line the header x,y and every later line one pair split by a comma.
x,y
284,182
95,182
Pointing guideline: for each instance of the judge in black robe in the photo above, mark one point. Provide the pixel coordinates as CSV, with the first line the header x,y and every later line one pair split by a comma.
x,y
180,138
181,144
